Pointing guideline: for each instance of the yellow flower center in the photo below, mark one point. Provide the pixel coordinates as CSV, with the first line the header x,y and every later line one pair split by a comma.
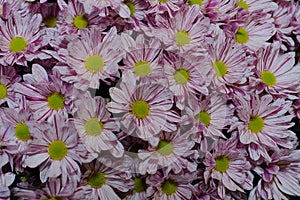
x,y
243,4
142,68
222,164
163,1
22,132
56,101
182,38
140,109
242,36
182,76
169,187
165,148
268,78
193,2
94,64
18,44
97,180
256,124
50,21
203,117
57,150
93,127
3,91
221,68
131,7
139,185
80,21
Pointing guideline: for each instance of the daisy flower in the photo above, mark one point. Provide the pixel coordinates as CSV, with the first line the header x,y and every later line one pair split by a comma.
x,y
95,127
219,11
187,76
257,5
170,152
5,181
92,57
142,57
265,123
137,9
146,108
228,165
276,72
280,177
162,6
57,151
21,39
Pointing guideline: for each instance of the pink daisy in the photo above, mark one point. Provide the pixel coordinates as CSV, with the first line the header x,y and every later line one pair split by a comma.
x,y
257,5
137,9
164,6
5,181
57,151
146,108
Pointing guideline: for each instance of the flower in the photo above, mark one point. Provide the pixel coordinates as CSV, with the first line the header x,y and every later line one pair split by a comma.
x,y
7,146
257,5
5,181
146,108
164,6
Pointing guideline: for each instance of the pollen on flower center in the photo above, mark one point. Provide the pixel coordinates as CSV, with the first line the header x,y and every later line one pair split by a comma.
x,y
139,185
56,101
221,68
93,127
198,2
94,64
243,4
22,132
203,117
57,150
182,76
242,36
268,78
222,164
50,21
18,44
131,7
142,68
165,148
163,1
169,187
54,198
140,109
182,38
256,124
3,91
97,180
80,21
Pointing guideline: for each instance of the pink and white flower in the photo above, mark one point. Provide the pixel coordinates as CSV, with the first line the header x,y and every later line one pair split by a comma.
x,y
5,181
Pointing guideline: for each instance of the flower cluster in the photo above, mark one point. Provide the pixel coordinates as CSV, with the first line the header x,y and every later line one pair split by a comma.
x,y
158,99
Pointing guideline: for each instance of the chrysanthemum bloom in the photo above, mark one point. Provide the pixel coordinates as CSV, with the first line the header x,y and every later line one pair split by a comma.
x,y
21,39
171,152
257,5
5,181
146,108
170,186
8,146
46,95
57,151
276,73
187,76
142,57
164,6
8,78
208,115
228,165
95,127
279,178
92,57
99,181
265,123
137,9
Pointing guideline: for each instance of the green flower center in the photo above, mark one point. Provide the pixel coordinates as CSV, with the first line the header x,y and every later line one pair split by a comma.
x,y
50,21
80,21
221,68
56,101
256,124
182,76
93,127
57,150
222,164
94,64
169,187
193,2
18,44
139,185
54,198
163,1
242,36
142,68
22,132
182,38
268,78
97,180
3,91
140,109
165,148
131,7
243,4
203,117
